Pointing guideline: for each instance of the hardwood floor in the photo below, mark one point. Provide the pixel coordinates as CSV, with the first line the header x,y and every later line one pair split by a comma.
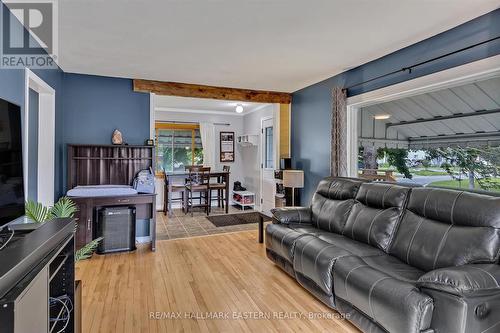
x,y
195,278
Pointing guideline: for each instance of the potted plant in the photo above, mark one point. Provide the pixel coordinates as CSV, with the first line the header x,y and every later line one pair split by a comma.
x,y
64,207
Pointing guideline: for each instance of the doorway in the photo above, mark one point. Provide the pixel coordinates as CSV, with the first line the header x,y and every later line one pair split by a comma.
x,y
268,187
39,129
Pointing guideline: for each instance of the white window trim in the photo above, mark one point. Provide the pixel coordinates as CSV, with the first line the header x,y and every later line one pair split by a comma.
x,y
456,76
46,137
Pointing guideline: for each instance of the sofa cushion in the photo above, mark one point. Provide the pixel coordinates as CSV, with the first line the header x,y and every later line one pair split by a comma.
x,y
314,258
394,267
333,201
443,228
354,247
395,304
339,188
376,213
281,239
304,229
456,207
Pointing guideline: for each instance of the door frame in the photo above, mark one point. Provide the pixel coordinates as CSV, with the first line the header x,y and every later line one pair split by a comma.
x,y
456,76
261,153
46,137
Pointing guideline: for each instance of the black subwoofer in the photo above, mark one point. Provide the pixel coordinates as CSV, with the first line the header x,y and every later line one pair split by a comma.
x,y
117,227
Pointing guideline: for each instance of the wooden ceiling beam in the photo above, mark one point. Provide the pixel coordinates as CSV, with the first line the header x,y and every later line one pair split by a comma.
x,y
202,91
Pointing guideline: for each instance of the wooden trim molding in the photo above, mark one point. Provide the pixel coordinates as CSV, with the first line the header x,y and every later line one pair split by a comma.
x,y
202,91
285,131
176,126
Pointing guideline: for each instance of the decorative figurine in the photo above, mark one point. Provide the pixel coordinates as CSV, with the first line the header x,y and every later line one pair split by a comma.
x,y
117,138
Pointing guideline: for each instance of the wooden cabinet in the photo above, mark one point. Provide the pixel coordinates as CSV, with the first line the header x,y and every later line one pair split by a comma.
x,y
86,217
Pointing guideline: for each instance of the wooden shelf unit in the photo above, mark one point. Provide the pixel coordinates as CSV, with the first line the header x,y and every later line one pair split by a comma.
x,y
107,164
244,199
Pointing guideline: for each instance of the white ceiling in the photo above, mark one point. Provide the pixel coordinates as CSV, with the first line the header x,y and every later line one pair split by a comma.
x,y
196,105
270,45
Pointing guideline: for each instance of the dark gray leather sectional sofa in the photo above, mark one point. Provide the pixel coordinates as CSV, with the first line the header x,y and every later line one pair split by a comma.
x,y
395,259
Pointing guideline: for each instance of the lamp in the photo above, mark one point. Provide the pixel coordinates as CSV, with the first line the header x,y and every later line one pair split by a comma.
x,y
293,179
239,108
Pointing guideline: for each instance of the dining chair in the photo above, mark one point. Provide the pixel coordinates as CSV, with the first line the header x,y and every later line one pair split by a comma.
x,y
198,181
220,187
178,186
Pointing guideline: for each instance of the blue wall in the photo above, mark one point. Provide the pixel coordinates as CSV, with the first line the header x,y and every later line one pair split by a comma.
x,y
311,106
94,106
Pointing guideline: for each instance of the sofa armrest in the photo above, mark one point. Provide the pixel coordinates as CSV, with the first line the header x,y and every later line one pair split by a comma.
x,y
287,215
466,280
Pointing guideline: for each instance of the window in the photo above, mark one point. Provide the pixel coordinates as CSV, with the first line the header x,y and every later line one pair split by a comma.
x,y
177,146
268,157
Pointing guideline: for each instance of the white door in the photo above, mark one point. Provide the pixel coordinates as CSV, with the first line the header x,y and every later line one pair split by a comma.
x,y
268,186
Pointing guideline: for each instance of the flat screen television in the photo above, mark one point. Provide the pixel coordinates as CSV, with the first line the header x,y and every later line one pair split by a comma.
x,y
11,163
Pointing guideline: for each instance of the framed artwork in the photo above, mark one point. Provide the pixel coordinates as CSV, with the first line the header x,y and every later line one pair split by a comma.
x,y
227,146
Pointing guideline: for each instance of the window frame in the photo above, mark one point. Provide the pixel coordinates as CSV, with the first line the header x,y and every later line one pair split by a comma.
x,y
176,127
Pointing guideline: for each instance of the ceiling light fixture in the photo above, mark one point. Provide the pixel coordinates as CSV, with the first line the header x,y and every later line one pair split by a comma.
x,y
382,116
239,108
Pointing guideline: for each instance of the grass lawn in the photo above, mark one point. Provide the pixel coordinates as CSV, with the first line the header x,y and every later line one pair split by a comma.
x,y
463,184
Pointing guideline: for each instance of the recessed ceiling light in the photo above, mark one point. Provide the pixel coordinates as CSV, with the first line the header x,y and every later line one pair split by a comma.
x,y
382,116
239,108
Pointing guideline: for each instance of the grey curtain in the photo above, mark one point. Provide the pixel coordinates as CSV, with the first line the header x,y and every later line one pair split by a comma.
x,y
338,149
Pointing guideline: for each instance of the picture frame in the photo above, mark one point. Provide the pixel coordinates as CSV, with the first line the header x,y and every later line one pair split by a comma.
x,y
226,141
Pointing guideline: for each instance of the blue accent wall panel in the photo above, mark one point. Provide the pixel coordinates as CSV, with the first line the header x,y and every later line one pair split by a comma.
x,y
311,106
94,106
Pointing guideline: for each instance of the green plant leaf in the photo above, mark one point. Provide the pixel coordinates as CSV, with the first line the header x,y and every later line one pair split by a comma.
x,y
65,207
36,211
86,251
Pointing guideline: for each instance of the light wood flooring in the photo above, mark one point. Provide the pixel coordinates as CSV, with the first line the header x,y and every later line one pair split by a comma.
x,y
195,278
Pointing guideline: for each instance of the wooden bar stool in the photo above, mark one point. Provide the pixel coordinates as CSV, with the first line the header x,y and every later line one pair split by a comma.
x,y
220,187
178,187
198,181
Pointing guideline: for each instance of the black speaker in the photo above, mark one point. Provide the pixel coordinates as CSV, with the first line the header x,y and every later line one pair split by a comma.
x,y
116,225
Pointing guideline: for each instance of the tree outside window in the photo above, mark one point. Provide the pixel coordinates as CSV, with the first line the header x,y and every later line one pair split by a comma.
x,y
178,145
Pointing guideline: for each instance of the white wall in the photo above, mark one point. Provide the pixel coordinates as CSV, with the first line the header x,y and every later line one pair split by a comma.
x,y
236,126
251,155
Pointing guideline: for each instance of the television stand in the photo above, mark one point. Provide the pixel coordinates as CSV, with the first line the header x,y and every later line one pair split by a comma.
x,y
37,276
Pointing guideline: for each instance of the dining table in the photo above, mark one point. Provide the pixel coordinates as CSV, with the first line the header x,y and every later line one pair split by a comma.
x,y
175,178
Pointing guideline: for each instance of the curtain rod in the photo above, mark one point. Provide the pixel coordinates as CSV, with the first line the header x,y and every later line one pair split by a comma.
x,y
410,68
189,122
